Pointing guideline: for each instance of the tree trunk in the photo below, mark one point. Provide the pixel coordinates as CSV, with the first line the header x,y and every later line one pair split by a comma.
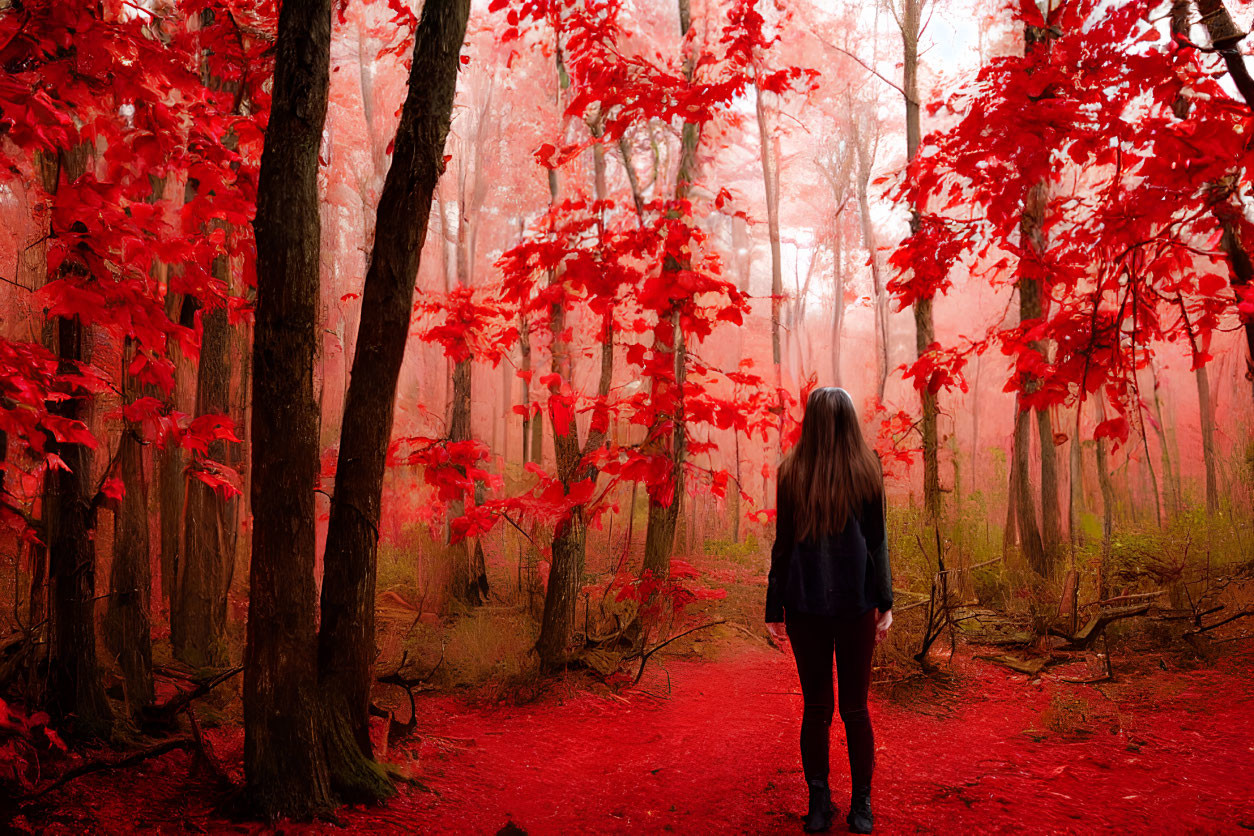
x,y
284,768
1025,506
346,642
1075,503
128,630
1171,479
69,516
1030,307
1108,508
838,305
74,685
659,541
1207,414
469,579
923,327
880,302
207,565
1225,37
569,537
770,181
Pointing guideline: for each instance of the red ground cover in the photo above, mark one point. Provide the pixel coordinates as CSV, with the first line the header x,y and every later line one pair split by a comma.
x,y
1165,751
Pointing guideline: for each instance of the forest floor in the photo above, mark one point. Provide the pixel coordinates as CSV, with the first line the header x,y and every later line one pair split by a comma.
x,y
710,746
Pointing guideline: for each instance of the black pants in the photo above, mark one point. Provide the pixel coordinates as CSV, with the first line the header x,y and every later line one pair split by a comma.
x,y
815,640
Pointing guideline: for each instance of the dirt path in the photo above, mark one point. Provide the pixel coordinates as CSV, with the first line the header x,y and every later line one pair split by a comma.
x,y
1171,752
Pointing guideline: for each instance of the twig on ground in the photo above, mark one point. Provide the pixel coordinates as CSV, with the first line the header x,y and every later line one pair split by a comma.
x,y
644,657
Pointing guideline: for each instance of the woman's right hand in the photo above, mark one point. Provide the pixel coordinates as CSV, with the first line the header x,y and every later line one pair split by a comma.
x,y
777,632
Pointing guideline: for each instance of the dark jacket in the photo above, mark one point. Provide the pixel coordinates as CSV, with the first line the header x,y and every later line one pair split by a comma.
x,y
843,574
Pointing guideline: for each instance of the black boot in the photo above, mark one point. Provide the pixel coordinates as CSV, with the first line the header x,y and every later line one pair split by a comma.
x,y
859,817
821,809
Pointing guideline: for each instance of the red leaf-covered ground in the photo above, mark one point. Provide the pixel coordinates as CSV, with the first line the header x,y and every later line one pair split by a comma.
x,y
990,752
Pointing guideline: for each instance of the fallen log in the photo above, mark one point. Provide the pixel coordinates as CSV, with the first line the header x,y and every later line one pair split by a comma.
x,y
1083,638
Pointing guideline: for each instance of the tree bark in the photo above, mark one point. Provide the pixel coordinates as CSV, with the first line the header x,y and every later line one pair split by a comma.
x,y
770,182
1207,413
660,532
69,516
207,565
1025,505
880,302
346,642
924,331
1225,36
285,769
469,578
128,629
1075,502
570,537
1171,479
1031,306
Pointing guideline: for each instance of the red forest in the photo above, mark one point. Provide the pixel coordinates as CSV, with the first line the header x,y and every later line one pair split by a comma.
x,y
393,395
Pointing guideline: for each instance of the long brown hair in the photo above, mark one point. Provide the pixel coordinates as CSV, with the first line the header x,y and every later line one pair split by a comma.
x,y
831,471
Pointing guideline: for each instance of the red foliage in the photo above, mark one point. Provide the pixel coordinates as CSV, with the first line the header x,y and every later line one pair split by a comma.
x,y
1131,227
152,100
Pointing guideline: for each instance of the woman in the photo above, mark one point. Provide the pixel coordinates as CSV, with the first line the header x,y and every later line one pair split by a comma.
x,y
830,591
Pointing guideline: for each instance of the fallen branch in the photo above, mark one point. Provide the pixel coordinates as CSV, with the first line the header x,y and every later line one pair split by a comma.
x,y
1133,596
1228,620
409,683
1095,627
104,765
164,714
206,752
644,657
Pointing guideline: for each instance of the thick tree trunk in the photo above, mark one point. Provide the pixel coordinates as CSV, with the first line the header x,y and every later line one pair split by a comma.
x,y
346,643
74,686
207,565
69,516
284,766
128,630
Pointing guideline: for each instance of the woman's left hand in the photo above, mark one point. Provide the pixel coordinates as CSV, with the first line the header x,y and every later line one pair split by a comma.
x,y
777,633
882,623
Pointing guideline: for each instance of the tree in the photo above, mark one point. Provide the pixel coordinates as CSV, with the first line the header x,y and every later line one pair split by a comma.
x,y
128,628
910,21
346,648
1042,126
280,670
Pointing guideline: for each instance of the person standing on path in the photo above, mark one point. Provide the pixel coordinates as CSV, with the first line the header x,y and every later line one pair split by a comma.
x,y
830,592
